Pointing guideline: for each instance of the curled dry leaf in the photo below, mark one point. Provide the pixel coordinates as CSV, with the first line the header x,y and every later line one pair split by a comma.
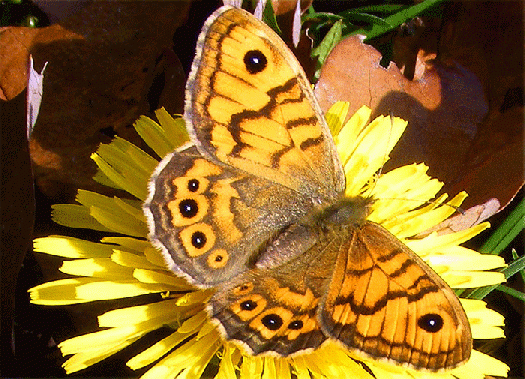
x,y
443,107
463,120
466,219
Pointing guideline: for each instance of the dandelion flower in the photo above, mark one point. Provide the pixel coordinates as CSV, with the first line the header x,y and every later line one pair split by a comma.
x,y
125,264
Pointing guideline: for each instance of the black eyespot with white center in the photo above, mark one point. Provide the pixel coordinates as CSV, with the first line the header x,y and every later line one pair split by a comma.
x,y
431,322
188,208
272,321
255,61
295,325
198,240
193,185
248,305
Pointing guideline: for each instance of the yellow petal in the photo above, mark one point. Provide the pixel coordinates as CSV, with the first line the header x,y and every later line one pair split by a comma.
x,y
347,139
163,138
334,362
171,282
59,292
114,213
207,328
97,267
155,256
251,367
433,242
189,359
458,257
156,351
106,290
70,247
127,166
229,358
336,116
479,366
75,216
300,369
98,340
132,260
193,324
129,243
200,296
205,354
283,369
485,323
269,368
163,311
370,154
472,279
407,186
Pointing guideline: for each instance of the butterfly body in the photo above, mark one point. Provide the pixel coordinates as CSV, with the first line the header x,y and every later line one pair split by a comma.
x,y
254,207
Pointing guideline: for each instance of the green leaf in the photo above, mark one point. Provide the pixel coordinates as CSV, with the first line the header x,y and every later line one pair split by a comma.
x,y
398,18
331,39
513,268
385,9
269,17
321,17
516,256
353,18
507,231
512,292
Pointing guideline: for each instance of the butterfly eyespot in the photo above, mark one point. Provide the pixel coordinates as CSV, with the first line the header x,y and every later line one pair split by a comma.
x,y
431,322
188,208
272,321
255,61
198,240
218,258
295,325
243,289
193,185
248,305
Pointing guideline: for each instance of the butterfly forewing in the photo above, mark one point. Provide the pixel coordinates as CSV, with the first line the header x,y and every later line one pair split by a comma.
x,y
210,220
250,105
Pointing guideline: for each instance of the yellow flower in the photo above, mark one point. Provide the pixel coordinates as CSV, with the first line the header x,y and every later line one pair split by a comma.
x,y
128,265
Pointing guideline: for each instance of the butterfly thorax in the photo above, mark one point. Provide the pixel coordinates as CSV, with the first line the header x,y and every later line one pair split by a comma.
x,y
344,211
325,222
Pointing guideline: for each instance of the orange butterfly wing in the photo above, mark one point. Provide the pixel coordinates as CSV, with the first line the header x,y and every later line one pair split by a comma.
x,y
249,105
383,300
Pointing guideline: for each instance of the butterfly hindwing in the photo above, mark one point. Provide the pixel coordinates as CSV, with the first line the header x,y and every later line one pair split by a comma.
x,y
274,310
383,300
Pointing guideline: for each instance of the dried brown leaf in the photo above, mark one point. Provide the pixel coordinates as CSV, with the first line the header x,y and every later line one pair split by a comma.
x,y
464,106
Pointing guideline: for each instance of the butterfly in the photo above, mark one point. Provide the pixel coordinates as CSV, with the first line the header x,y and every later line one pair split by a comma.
x,y
254,207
